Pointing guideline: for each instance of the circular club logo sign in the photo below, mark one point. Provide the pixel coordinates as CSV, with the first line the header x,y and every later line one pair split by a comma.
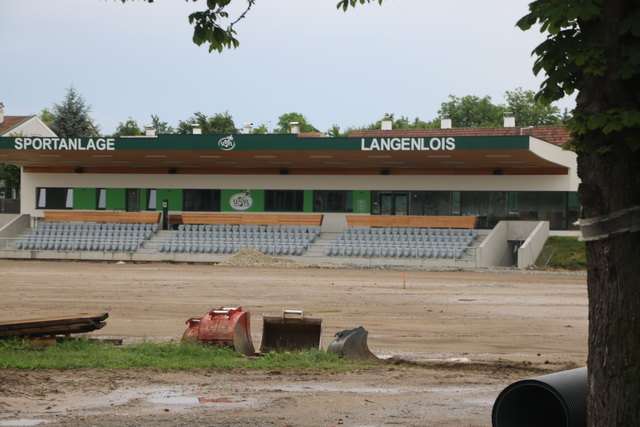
x,y
241,201
227,143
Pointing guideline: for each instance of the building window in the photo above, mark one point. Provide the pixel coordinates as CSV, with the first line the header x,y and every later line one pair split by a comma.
x,y
102,199
332,201
561,209
489,206
552,208
573,210
283,200
54,198
202,200
151,199
430,203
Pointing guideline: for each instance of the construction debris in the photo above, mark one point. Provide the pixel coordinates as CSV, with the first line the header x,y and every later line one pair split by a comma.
x,y
52,326
292,331
255,258
352,344
228,326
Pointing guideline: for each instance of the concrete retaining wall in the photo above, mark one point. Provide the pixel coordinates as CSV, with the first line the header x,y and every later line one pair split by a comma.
x,y
14,227
532,246
496,249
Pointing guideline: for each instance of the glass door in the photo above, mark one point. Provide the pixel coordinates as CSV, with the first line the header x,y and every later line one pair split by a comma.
x,y
133,200
400,203
393,203
386,203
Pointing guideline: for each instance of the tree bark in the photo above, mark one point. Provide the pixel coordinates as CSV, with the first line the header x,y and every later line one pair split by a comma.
x,y
609,170
614,294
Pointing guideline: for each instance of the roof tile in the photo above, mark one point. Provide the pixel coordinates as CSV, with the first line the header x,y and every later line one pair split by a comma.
x,y
11,121
557,135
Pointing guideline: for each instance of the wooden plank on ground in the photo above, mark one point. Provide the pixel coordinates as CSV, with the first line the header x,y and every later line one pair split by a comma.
x,y
53,330
53,325
61,320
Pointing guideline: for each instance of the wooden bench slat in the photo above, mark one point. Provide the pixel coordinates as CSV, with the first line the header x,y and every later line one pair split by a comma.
x,y
90,216
412,221
251,219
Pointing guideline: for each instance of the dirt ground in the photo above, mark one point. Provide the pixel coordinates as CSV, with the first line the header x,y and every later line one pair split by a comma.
x,y
468,335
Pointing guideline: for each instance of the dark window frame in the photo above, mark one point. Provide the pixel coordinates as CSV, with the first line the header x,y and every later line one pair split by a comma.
x,y
49,199
284,200
191,203
338,201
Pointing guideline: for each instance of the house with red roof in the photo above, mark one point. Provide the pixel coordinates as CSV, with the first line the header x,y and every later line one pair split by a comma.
x,y
23,125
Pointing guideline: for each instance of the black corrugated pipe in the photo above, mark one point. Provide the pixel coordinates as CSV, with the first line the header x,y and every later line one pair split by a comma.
x,y
554,400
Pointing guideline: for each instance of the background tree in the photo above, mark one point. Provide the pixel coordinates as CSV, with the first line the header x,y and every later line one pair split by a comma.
x,y
334,132
220,123
472,111
9,179
46,115
161,128
260,130
529,111
128,128
402,123
287,118
71,118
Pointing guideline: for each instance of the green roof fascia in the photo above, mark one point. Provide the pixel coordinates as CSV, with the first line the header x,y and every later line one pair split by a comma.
x,y
269,142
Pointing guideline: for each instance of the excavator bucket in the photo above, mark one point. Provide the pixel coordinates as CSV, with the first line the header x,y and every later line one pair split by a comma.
x,y
227,326
352,344
293,331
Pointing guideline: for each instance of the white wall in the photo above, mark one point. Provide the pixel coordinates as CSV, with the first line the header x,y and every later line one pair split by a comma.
x,y
493,249
558,155
31,127
299,182
528,252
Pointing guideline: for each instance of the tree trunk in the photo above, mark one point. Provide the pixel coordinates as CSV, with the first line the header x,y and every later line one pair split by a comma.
x,y
610,183
609,167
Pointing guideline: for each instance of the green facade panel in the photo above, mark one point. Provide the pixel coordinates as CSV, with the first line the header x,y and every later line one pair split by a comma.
x,y
362,201
172,195
85,198
307,204
143,199
116,199
242,200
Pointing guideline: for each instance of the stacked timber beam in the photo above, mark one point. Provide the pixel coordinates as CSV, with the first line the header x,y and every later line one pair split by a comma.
x,y
52,326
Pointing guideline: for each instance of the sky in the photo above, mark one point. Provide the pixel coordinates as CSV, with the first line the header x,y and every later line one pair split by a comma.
x,y
136,59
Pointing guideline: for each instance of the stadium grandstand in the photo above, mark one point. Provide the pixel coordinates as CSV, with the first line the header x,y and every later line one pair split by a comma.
x,y
461,197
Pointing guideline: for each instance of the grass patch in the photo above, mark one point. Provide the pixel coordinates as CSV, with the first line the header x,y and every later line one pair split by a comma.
x,y
562,252
85,354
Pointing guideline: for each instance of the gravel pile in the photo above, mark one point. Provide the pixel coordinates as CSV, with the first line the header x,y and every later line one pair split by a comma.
x,y
251,257
254,258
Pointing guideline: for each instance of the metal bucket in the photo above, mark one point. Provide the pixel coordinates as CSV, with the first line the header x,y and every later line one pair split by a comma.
x,y
227,326
292,331
352,344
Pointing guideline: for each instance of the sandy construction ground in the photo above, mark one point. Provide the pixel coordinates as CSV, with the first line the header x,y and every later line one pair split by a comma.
x,y
469,335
